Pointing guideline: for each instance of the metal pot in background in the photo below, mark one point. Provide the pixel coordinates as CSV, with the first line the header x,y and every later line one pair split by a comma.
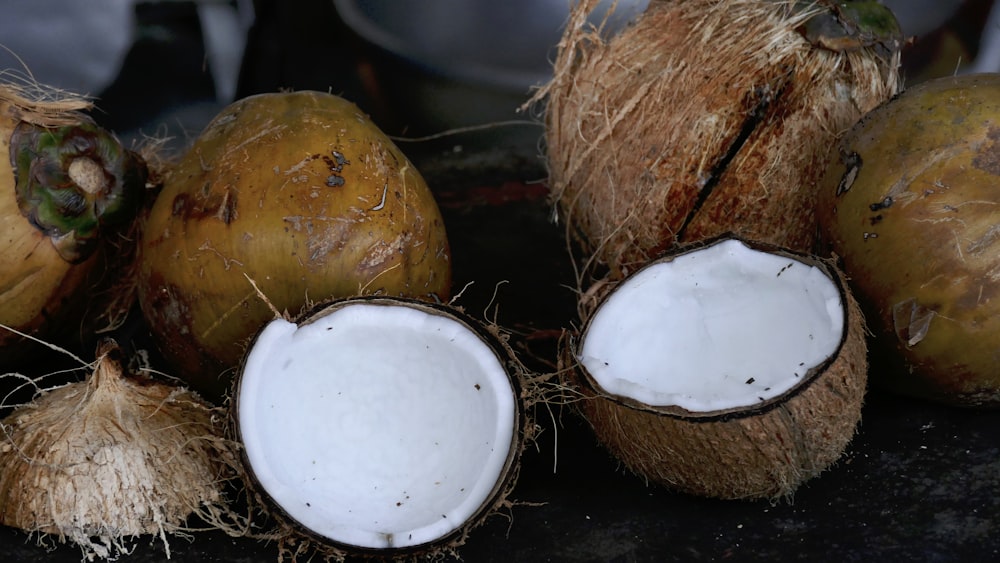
x,y
438,65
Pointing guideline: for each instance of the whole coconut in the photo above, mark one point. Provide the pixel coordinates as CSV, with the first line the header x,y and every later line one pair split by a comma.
x,y
706,117
297,196
912,207
70,194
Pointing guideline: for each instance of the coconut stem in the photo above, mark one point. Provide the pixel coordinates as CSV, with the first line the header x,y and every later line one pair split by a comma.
x,y
87,174
75,183
108,371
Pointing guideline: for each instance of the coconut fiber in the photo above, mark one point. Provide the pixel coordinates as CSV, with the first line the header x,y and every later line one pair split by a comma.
x,y
704,117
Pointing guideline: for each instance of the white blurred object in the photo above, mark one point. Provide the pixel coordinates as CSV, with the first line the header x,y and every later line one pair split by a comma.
x,y
68,44
917,18
506,44
224,27
988,58
80,46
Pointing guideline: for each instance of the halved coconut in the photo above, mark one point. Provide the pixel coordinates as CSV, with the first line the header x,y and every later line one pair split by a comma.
x,y
379,425
728,369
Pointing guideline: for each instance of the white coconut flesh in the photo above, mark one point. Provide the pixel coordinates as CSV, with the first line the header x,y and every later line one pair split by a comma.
x,y
377,426
718,328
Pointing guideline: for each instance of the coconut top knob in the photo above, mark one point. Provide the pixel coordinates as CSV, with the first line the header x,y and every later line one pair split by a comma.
x,y
850,26
73,182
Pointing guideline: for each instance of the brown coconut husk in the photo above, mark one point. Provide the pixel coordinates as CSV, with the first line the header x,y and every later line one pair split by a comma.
x,y
99,462
762,452
703,117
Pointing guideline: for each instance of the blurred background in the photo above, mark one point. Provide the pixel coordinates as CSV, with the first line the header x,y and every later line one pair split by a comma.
x,y
166,67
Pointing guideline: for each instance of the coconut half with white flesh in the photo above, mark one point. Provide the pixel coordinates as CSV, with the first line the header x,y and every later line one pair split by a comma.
x,y
380,426
728,369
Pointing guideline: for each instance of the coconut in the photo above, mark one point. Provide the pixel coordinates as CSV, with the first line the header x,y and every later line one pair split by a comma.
x,y
726,369
910,206
301,193
69,196
380,427
101,461
706,117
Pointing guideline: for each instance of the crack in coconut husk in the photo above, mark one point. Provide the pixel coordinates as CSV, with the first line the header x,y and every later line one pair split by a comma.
x,y
98,463
723,94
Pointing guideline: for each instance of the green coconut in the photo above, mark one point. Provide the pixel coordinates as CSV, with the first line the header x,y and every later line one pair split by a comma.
x,y
70,199
297,194
910,204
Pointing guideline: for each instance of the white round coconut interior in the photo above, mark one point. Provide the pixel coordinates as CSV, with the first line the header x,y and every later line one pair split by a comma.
x,y
376,426
722,327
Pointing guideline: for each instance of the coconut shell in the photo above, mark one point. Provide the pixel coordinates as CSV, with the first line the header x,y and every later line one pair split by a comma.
x,y
703,117
764,451
101,461
297,541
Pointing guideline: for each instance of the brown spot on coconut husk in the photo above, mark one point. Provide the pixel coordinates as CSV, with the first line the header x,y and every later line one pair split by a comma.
x,y
703,117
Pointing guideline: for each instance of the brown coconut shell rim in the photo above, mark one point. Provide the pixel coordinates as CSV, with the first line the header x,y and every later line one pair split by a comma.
x,y
497,496
722,415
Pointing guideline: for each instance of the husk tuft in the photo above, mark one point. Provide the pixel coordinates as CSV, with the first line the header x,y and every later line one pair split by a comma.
x,y
101,461
26,100
696,97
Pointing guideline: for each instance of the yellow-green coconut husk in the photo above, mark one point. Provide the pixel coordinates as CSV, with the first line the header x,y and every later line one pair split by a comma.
x,y
71,196
705,117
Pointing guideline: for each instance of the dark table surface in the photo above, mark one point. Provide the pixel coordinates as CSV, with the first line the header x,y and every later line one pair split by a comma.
x,y
919,481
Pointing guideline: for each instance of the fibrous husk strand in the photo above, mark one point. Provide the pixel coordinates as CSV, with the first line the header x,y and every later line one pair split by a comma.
x,y
26,100
99,462
703,117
